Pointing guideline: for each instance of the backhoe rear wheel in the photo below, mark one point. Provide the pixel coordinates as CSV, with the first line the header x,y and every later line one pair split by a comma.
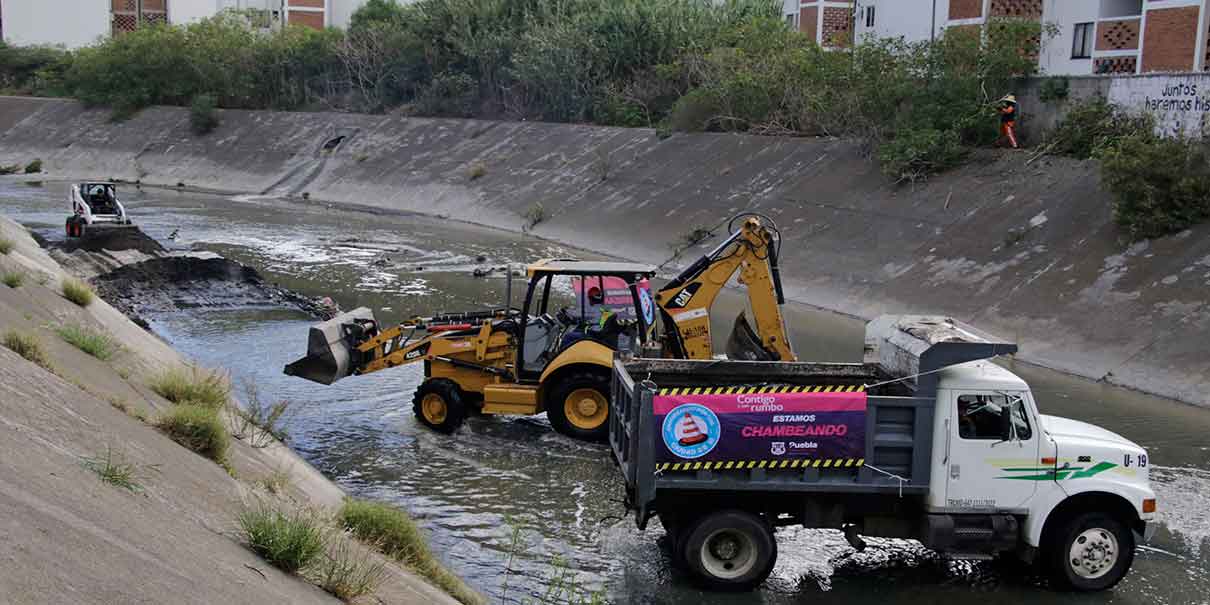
x,y
438,404
578,406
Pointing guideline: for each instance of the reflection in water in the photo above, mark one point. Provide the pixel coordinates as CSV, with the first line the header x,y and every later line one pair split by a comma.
x,y
466,488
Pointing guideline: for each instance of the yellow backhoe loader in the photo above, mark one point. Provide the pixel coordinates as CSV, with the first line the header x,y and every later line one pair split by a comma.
x,y
539,358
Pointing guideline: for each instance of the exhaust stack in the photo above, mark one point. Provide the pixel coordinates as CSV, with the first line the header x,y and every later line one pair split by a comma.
x,y
330,347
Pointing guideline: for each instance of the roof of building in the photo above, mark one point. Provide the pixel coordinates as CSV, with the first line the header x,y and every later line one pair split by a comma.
x,y
578,267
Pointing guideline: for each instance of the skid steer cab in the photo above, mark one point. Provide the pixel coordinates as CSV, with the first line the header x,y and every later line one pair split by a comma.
x,y
554,354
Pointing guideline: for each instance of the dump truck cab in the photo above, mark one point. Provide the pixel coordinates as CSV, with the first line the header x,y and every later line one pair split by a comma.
x,y
927,438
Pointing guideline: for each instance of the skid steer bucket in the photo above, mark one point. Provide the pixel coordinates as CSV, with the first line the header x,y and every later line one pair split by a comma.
x,y
330,345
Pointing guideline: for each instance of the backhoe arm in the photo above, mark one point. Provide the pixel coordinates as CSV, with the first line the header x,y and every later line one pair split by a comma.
x,y
686,300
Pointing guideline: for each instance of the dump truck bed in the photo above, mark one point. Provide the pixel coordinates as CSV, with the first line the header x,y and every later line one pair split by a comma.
x,y
763,409
688,429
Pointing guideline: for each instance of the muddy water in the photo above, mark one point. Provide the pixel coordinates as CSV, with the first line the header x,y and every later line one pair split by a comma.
x,y
468,489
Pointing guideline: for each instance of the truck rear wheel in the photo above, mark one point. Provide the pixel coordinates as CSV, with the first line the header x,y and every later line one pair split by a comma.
x,y
438,404
730,550
1090,551
578,406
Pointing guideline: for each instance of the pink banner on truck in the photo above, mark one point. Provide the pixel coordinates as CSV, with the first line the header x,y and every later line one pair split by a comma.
x,y
788,423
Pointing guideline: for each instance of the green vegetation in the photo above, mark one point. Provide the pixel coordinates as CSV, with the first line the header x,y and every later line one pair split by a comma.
x,y
33,167
396,535
198,428
114,470
347,571
27,346
534,215
10,169
287,540
1054,89
1161,185
1091,126
476,171
78,292
6,245
258,423
671,64
195,386
276,482
13,279
94,342
203,117
32,70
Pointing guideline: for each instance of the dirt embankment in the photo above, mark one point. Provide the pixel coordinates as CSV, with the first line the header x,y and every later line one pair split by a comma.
x,y
70,537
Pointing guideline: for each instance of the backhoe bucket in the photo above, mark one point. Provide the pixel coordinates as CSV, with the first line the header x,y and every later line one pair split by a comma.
x,y
329,353
744,344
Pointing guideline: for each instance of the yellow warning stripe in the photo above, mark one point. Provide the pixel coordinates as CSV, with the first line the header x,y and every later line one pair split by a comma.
x,y
772,464
761,390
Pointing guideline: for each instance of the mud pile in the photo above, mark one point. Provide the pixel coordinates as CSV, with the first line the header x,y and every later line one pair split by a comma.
x,y
114,238
169,283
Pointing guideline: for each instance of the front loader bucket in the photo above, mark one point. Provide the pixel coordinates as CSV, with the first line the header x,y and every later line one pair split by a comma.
x,y
328,351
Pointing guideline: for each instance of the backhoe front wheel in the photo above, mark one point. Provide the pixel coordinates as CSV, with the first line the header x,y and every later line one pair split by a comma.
x,y
578,406
438,404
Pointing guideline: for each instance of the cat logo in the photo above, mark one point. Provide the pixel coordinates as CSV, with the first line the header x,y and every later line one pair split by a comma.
x,y
683,297
417,352
778,448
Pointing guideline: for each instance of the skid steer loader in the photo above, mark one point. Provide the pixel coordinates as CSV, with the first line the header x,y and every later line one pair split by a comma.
x,y
558,360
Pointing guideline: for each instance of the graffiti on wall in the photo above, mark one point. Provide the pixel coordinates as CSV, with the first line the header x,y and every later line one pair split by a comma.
x,y
1179,103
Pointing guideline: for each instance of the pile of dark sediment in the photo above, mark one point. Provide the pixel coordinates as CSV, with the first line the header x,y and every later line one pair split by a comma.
x,y
170,283
113,238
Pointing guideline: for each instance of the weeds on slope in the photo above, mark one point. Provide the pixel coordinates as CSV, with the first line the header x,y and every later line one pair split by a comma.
x,y
6,245
198,428
78,292
195,386
287,540
258,423
394,533
13,279
346,570
94,342
114,470
27,346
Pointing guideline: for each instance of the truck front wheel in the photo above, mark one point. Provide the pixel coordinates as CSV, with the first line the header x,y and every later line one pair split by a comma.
x,y
1091,551
730,550
438,404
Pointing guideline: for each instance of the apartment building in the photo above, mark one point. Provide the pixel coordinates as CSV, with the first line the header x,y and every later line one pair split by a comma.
x,y
76,23
1093,36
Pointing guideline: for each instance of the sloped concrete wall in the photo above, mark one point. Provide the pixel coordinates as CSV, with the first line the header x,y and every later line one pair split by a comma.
x,y
1029,252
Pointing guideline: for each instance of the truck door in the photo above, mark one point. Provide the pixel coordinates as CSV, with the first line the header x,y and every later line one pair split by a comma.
x,y
991,438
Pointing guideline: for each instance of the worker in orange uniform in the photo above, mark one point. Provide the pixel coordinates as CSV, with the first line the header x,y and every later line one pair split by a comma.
x,y
1008,120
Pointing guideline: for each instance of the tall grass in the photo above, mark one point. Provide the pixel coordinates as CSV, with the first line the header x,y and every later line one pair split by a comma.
x,y
198,428
94,342
395,534
195,386
287,540
78,292
13,279
347,571
27,346
6,245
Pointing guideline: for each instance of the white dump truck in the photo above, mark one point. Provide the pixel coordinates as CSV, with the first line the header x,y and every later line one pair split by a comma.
x,y
926,439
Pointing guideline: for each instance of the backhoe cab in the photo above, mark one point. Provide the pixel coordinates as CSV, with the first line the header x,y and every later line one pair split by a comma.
x,y
546,356
556,357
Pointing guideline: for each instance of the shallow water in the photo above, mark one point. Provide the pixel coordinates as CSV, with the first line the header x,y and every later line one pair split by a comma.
x,y
468,489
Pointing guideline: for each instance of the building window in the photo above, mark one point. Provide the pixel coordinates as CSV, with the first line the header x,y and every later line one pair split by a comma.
x,y
869,16
791,20
1081,45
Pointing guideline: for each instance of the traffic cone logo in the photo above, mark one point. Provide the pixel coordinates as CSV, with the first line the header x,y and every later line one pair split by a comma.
x,y
691,432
